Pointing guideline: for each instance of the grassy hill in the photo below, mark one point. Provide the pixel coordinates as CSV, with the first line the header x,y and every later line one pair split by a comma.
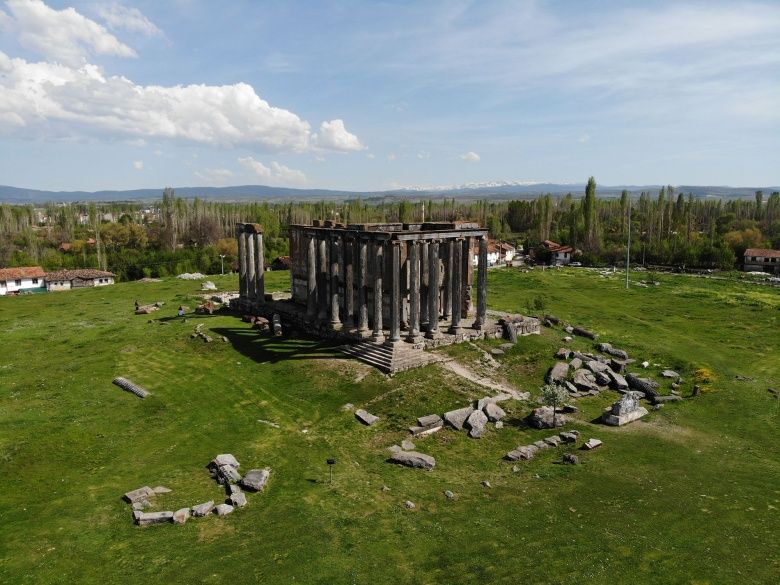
x,y
689,494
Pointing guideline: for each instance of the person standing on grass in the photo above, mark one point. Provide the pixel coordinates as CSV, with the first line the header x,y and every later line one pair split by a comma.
x,y
181,311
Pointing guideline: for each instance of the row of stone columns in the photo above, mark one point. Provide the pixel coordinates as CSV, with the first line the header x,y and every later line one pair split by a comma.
x,y
251,263
331,261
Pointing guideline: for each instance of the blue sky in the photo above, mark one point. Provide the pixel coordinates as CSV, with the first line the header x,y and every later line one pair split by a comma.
x,y
375,95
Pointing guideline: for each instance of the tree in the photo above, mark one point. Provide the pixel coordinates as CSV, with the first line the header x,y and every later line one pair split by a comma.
x,y
589,211
554,396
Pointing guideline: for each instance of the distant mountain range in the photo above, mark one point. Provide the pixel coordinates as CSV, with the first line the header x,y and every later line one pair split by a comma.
x,y
494,190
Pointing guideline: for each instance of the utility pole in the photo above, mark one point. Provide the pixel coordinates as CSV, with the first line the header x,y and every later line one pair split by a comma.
x,y
628,249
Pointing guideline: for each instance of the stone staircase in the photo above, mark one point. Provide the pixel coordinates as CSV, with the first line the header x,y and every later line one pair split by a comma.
x,y
389,359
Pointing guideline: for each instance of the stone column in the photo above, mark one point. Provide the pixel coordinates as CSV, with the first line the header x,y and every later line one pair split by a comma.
x,y
335,263
414,292
250,266
447,246
456,247
479,322
322,278
362,285
465,287
379,265
433,290
311,279
241,237
424,282
260,268
395,293
349,282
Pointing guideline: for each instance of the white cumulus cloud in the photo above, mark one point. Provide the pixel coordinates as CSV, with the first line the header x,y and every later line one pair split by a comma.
x,y
334,136
64,36
276,174
138,165
54,99
470,156
117,16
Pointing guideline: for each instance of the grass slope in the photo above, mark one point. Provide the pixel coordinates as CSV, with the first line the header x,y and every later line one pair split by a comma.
x,y
690,494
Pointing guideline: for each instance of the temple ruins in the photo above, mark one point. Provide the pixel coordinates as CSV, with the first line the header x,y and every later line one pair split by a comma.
x,y
397,286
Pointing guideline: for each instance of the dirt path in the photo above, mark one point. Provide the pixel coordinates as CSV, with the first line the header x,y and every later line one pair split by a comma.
x,y
471,376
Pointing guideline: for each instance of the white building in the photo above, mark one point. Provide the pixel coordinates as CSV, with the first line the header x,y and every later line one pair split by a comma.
x,y
16,280
82,278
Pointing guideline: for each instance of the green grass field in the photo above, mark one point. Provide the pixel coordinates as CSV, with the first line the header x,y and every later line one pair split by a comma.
x,y
689,494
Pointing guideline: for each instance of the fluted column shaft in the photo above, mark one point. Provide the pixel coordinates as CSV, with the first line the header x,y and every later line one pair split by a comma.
x,y
424,281
242,287
311,279
395,292
447,246
414,292
335,265
465,287
250,266
378,336
349,282
362,285
479,322
433,289
456,247
259,269
322,277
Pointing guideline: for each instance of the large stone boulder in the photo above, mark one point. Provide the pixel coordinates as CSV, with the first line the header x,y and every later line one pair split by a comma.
x,y
476,424
558,373
203,509
181,516
584,380
139,494
365,417
542,418
223,509
147,518
226,459
563,354
617,381
457,418
237,500
669,374
255,479
494,412
428,420
485,400
412,459
522,453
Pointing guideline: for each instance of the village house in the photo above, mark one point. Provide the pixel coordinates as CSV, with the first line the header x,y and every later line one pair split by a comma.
x,y
560,255
761,260
16,280
498,253
81,278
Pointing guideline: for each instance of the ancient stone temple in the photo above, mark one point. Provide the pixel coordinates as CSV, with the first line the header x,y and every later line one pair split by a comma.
x,y
397,286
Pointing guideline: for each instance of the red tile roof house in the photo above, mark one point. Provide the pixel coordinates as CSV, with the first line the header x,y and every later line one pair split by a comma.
x,y
69,279
761,260
561,254
16,280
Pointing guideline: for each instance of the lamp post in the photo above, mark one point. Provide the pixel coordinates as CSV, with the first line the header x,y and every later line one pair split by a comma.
x,y
222,263
331,462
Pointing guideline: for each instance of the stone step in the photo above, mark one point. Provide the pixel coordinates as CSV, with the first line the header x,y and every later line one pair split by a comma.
x,y
388,359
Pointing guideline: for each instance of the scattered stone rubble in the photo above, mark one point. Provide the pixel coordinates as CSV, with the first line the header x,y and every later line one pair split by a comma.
x,y
191,276
224,469
527,452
